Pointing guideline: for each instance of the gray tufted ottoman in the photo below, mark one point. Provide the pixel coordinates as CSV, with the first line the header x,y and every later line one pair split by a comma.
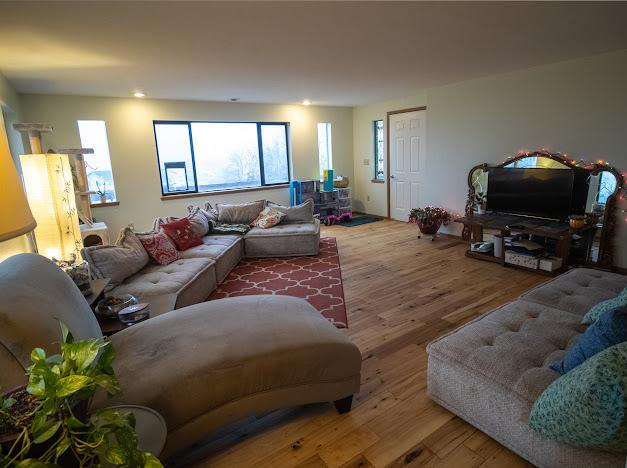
x,y
490,371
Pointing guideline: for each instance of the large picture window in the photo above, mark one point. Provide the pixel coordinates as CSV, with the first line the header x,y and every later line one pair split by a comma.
x,y
216,156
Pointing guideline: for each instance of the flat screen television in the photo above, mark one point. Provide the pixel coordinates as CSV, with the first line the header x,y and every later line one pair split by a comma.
x,y
537,192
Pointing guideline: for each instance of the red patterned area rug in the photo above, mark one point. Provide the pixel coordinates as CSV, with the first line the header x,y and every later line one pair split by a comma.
x,y
317,279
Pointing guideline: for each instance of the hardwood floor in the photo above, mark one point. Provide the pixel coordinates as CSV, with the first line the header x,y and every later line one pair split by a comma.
x,y
401,292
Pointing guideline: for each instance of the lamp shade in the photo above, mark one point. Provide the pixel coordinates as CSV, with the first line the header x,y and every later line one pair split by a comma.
x,y
50,192
15,214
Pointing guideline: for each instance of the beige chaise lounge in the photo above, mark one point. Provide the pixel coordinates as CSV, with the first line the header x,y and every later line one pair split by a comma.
x,y
491,370
200,367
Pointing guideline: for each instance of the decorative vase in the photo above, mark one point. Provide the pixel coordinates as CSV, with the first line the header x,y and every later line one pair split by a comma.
x,y
428,226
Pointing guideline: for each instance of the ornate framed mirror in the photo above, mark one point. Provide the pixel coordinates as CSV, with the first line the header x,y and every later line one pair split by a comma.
x,y
604,183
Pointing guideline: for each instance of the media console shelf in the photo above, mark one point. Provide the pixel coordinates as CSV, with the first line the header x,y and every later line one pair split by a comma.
x,y
560,232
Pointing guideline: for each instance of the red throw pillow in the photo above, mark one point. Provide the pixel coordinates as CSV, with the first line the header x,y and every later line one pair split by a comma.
x,y
182,233
159,246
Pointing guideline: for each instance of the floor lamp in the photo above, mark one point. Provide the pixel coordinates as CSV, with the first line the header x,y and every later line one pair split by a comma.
x,y
16,219
50,193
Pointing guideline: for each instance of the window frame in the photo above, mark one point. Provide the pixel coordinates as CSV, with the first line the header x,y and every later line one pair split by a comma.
x,y
375,142
116,199
259,124
328,141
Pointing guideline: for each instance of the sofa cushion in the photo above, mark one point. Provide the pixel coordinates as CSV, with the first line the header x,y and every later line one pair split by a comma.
x,y
242,213
586,407
226,250
302,213
512,347
283,230
156,280
603,307
577,290
609,330
283,240
118,261
182,234
209,211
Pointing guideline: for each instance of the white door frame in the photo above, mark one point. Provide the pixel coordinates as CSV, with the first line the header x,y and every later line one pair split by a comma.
x,y
387,125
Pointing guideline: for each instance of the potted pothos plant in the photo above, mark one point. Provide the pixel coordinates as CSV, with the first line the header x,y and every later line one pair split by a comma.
x,y
47,424
429,219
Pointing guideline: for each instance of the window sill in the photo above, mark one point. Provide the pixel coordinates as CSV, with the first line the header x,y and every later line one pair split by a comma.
x,y
378,181
102,205
222,192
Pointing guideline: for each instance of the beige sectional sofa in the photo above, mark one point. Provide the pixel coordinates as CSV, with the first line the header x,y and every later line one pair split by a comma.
x,y
491,370
192,278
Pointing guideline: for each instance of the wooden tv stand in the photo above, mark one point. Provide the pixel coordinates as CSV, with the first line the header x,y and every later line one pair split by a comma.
x,y
561,232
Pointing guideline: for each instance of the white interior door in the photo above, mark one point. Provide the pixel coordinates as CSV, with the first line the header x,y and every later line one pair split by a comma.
x,y
407,154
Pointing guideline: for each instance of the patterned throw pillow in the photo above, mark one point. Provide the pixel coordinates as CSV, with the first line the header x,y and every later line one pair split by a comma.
x,y
609,330
159,246
267,218
200,223
596,310
586,406
182,233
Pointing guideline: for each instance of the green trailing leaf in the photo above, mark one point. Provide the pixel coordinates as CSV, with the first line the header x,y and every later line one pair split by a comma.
x,y
150,461
33,463
54,359
38,354
6,404
65,333
39,422
85,355
107,383
36,386
63,446
74,423
116,456
47,432
72,384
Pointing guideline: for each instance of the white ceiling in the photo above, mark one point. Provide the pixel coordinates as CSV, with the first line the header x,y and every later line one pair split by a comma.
x,y
333,53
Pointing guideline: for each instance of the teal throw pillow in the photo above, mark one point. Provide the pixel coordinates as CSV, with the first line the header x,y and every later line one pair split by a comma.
x,y
595,311
586,406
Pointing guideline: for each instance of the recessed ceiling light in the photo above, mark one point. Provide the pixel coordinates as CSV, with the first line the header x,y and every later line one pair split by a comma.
x,y
138,94
306,102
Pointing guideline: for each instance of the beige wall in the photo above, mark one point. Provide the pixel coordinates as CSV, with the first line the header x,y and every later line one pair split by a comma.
x,y
132,144
578,107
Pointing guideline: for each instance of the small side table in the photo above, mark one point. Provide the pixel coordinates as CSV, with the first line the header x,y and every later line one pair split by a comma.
x,y
97,291
108,326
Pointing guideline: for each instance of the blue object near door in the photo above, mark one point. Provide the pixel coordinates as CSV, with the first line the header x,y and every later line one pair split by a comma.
x,y
328,180
296,193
